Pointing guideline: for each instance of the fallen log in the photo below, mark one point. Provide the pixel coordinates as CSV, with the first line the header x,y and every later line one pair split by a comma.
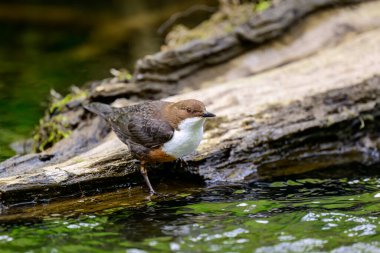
x,y
324,29
317,112
171,66
321,30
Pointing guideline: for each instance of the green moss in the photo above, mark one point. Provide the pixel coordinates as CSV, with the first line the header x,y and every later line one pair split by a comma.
x,y
224,21
219,24
241,191
263,5
58,105
50,132
55,126
122,75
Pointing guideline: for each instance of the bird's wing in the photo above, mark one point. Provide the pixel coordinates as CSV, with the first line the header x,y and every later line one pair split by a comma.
x,y
149,132
141,125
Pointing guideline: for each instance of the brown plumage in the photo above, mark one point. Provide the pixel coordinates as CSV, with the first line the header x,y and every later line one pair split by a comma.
x,y
148,128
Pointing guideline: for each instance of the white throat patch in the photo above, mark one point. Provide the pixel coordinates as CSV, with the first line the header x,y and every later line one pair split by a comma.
x,y
186,139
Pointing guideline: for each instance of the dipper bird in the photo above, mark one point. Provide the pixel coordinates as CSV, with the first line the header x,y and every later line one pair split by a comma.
x,y
156,131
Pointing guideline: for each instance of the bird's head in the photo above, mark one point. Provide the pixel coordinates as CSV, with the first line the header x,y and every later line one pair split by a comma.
x,y
191,109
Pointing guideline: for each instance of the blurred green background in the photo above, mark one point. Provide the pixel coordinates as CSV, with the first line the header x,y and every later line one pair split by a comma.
x,y
48,45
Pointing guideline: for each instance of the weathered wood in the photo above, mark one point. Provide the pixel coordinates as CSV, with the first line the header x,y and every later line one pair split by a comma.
x,y
321,30
298,91
325,130
173,65
295,118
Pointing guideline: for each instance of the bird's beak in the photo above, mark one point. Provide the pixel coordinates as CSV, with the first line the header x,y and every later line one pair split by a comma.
x,y
208,115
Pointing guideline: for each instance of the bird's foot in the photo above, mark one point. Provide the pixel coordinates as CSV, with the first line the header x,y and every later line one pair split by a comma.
x,y
155,195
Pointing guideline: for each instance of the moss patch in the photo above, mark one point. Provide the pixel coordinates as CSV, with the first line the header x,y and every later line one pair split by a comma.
x,y
224,21
58,121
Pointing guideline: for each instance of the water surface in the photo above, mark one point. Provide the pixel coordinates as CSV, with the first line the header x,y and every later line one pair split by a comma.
x,y
303,215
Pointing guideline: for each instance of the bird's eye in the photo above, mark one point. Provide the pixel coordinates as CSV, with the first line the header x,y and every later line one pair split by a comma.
x,y
188,110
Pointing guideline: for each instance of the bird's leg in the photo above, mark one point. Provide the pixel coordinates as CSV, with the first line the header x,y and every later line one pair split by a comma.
x,y
144,172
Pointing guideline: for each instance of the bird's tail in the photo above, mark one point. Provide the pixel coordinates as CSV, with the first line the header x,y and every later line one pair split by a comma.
x,y
102,110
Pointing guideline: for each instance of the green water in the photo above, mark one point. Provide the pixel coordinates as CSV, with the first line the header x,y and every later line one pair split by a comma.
x,y
305,215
